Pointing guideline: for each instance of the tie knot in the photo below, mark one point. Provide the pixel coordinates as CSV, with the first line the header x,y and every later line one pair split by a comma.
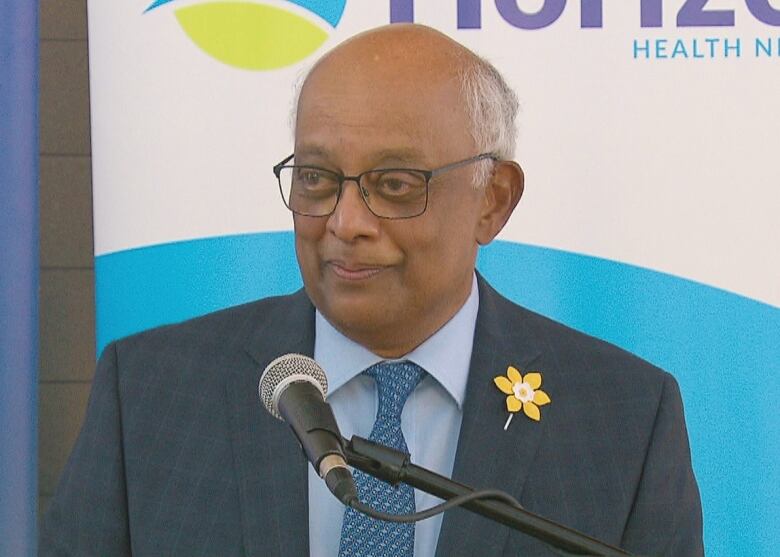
x,y
395,381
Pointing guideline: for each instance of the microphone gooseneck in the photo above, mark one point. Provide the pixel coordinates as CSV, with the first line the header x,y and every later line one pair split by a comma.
x,y
293,388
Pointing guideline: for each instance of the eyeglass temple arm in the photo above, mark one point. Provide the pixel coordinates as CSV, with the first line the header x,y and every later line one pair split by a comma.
x,y
458,164
277,167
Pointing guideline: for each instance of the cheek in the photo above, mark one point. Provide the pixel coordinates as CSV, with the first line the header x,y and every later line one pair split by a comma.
x,y
308,232
441,252
308,228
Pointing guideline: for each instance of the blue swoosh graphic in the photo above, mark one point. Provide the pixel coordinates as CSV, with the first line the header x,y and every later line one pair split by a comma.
x,y
157,4
329,10
722,348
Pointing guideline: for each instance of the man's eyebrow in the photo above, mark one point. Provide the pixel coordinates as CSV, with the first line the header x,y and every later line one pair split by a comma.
x,y
311,151
405,156
384,157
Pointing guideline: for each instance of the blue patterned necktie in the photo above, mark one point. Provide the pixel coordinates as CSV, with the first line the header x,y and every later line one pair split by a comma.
x,y
362,536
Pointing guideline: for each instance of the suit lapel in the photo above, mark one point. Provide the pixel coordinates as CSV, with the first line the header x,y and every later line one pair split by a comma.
x,y
487,456
271,468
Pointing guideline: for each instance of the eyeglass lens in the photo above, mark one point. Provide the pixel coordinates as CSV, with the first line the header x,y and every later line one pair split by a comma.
x,y
388,193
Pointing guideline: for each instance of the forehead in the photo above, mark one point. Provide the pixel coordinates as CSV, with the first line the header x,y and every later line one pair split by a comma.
x,y
377,103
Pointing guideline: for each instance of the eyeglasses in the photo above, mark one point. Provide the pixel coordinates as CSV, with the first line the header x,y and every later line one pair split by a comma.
x,y
389,193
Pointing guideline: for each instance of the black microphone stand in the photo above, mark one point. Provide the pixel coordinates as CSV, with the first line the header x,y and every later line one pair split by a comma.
x,y
394,466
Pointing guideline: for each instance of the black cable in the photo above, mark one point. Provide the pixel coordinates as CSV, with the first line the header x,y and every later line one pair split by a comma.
x,y
494,494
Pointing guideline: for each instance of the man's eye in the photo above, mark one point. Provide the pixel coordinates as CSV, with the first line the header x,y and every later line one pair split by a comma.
x,y
394,186
400,184
308,177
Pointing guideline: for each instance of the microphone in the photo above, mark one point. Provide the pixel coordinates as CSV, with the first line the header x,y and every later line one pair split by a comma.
x,y
293,388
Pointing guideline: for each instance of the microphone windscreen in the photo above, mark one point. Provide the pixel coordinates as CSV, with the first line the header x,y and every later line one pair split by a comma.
x,y
283,372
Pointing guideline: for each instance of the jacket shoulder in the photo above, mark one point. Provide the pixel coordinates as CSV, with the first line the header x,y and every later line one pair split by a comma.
x,y
227,327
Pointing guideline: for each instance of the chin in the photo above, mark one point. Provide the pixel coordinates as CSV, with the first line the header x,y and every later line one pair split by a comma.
x,y
357,321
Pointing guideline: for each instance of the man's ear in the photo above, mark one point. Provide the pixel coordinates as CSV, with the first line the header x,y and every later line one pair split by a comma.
x,y
502,193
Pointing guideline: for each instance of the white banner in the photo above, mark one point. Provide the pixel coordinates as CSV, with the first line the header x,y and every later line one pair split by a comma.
x,y
649,138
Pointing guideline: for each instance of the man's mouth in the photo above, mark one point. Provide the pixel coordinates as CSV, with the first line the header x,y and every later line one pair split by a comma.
x,y
354,271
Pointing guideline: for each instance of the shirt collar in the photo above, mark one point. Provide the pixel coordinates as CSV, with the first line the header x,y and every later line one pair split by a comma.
x,y
446,355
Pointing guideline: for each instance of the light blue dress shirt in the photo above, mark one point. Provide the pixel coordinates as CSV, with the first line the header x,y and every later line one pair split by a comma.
x,y
430,420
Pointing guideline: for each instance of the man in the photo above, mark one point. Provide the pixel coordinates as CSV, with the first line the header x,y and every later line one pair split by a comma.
x,y
401,170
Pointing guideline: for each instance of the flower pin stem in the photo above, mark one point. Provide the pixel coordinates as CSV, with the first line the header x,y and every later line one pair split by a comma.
x,y
508,421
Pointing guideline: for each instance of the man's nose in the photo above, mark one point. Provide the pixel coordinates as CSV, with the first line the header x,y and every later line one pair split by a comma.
x,y
352,218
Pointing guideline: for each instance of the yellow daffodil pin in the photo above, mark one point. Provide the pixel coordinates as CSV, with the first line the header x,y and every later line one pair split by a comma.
x,y
523,393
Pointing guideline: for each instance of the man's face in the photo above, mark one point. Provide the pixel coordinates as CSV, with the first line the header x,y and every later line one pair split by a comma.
x,y
388,284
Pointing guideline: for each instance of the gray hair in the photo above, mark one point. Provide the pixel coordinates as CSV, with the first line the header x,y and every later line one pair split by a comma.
x,y
490,104
297,87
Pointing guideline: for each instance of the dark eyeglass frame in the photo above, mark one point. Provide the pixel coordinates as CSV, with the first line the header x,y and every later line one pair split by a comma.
x,y
428,174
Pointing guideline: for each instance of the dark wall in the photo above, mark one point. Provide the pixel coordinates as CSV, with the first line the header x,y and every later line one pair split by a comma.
x,y
67,322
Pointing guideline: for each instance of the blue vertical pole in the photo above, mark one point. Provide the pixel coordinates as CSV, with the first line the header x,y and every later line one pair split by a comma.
x,y
18,276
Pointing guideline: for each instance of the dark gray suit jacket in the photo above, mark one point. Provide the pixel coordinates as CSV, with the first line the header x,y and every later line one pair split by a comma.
x,y
178,457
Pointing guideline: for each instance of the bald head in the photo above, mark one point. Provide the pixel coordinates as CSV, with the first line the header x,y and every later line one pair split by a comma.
x,y
410,55
403,73
405,49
